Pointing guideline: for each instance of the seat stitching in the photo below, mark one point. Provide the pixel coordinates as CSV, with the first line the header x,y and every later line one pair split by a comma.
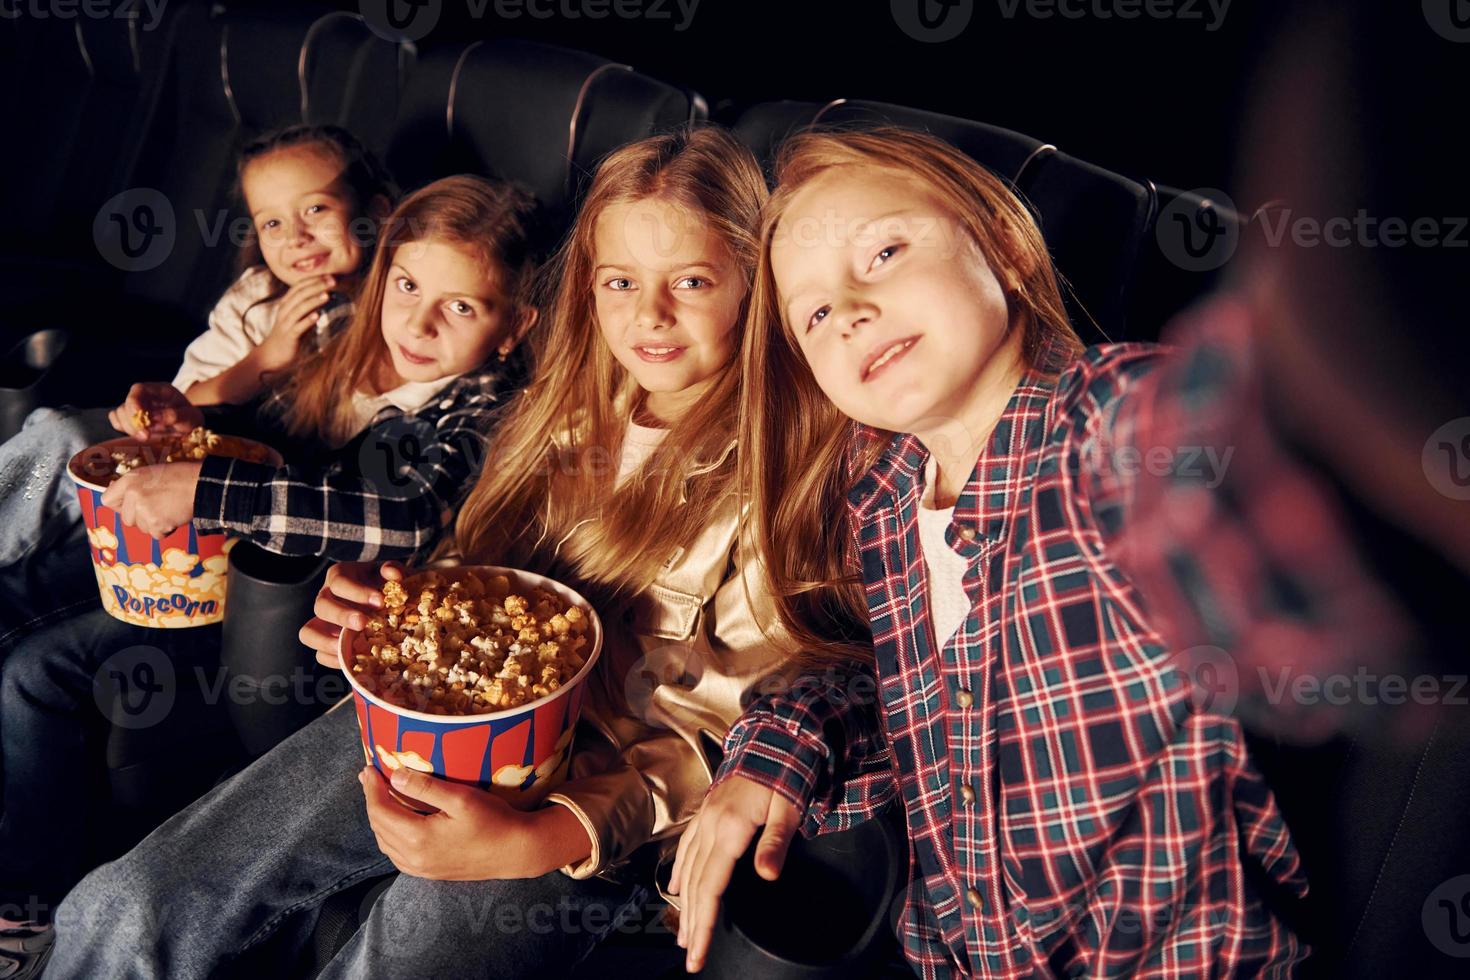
x,y
1393,841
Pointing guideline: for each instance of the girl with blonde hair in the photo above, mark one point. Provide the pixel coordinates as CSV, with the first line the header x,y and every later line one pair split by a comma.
x,y
614,470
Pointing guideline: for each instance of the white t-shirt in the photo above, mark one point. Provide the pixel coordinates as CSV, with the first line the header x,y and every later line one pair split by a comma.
x,y
948,603
639,442
237,325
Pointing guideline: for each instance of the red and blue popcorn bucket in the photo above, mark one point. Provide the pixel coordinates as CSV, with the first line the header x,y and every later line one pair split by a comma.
x,y
174,582
520,754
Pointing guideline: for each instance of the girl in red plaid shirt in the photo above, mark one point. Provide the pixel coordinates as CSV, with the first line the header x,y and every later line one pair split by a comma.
x,y
928,452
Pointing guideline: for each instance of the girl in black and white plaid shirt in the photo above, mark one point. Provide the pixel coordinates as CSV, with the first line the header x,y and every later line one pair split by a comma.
x,y
384,427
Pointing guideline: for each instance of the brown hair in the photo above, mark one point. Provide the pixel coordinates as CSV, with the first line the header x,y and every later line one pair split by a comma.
x,y
484,218
798,454
543,479
365,177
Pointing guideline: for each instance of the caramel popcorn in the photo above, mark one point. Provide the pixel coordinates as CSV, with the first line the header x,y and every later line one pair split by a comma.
x,y
468,644
200,442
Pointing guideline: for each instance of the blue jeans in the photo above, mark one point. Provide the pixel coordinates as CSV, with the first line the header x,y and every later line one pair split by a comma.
x,y
258,855
50,584
57,703
36,495
45,563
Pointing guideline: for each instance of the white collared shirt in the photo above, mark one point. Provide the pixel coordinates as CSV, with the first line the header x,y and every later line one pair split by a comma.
x,y
407,398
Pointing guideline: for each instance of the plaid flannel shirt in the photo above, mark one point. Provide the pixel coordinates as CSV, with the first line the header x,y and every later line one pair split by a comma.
x,y
1253,569
1072,810
388,493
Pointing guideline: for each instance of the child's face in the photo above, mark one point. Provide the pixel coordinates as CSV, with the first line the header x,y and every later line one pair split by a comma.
x,y
442,314
668,295
302,213
890,301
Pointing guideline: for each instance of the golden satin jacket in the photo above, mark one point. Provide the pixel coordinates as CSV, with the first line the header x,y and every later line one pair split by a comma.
x,y
667,688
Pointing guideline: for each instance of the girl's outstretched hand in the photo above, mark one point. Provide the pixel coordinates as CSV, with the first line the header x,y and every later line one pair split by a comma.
x,y
155,499
348,599
154,408
712,843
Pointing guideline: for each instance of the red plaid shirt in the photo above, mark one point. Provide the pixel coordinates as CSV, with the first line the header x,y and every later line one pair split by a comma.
x,y
1072,810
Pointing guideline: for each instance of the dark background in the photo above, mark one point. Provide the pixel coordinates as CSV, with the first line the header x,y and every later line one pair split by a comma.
x,y
1152,98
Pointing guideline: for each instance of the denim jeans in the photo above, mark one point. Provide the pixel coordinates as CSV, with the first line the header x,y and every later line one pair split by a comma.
x,y
258,855
36,495
45,563
48,585
59,695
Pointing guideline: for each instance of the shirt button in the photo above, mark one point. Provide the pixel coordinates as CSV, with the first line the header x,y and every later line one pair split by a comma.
x,y
968,533
964,698
967,793
973,897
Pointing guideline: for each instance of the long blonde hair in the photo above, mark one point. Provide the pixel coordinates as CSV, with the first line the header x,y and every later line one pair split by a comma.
x,y
549,470
484,218
798,454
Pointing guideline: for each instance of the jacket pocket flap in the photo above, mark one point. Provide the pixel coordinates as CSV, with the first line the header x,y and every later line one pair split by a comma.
x,y
668,613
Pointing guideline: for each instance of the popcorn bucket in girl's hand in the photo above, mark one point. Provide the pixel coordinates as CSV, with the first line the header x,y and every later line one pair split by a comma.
x,y
475,674
172,582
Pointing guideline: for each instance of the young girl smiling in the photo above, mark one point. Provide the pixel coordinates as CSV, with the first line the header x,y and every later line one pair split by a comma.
x,y
444,303
613,471
1070,810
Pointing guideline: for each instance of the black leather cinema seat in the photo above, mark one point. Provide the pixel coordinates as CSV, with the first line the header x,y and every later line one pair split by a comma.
x,y
233,75
620,105
1004,151
210,78
1189,243
69,152
351,77
1094,222
764,126
567,109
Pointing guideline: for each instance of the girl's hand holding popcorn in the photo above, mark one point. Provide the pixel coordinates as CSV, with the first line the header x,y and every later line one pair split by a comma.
x,y
155,499
351,595
155,408
475,836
